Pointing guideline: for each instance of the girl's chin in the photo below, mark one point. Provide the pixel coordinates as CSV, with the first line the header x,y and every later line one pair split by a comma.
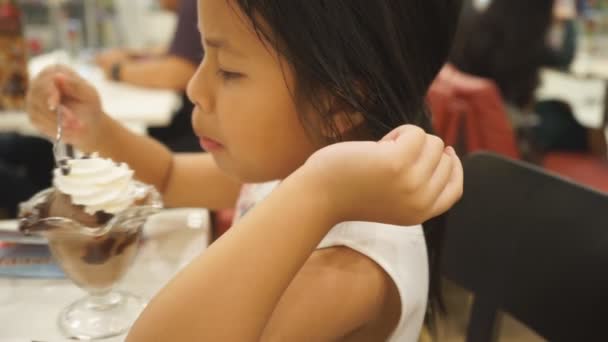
x,y
246,173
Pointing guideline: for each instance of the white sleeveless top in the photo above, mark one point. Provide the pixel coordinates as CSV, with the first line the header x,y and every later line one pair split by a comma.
x,y
400,251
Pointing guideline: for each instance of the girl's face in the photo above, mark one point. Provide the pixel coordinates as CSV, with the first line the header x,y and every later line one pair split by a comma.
x,y
244,112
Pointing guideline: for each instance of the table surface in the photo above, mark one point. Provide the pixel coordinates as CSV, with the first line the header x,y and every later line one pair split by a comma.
x,y
587,65
29,307
132,105
585,95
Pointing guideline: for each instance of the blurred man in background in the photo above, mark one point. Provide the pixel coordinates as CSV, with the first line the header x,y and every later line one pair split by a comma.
x,y
171,68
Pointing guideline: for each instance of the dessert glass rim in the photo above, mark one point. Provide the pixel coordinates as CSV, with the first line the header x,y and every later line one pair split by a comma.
x,y
31,222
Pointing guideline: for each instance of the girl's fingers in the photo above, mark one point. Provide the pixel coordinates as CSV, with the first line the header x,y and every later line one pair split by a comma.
x,y
424,167
409,142
70,121
453,190
439,180
69,85
395,133
54,97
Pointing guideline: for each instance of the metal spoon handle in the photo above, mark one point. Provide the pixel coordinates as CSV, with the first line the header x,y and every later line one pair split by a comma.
x,y
61,151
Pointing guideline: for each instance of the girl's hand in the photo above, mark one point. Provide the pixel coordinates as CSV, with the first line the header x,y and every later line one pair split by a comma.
x,y
405,179
82,112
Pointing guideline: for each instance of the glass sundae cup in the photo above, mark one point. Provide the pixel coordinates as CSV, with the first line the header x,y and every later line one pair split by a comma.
x,y
94,250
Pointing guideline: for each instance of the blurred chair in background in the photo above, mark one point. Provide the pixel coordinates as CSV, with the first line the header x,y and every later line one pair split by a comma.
x,y
468,112
25,168
530,245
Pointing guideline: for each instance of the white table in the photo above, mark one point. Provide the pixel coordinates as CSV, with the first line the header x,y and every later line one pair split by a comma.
x,y
29,307
136,107
585,95
586,65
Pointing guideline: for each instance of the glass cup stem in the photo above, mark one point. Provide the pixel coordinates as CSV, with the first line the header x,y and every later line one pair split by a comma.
x,y
103,301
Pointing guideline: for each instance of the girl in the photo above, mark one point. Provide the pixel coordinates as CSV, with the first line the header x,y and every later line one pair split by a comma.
x,y
281,87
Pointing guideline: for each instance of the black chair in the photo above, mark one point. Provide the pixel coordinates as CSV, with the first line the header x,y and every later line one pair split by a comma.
x,y
532,245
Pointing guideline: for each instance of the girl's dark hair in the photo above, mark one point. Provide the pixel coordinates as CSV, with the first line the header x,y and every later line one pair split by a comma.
x,y
506,43
370,57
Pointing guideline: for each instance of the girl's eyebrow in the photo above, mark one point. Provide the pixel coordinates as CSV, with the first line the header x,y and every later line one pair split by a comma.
x,y
222,44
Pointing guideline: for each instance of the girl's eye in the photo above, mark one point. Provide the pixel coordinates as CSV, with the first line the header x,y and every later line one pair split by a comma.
x,y
229,75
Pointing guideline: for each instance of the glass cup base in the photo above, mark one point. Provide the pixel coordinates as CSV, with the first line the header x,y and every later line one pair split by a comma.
x,y
98,317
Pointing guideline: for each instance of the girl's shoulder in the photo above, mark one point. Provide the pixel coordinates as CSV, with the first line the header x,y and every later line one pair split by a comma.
x,y
401,254
364,250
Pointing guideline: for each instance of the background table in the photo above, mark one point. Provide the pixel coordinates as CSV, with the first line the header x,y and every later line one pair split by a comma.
x,y
136,107
585,95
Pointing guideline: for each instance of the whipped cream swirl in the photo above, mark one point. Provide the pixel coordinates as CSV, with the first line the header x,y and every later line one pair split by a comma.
x,y
97,184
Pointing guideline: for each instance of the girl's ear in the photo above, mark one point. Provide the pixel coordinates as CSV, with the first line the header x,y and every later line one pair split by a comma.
x,y
343,122
343,119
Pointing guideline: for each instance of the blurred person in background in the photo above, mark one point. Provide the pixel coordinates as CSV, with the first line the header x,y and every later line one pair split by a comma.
x,y
509,41
26,162
168,69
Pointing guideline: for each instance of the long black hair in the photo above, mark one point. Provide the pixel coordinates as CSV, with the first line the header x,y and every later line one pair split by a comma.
x,y
370,57
506,43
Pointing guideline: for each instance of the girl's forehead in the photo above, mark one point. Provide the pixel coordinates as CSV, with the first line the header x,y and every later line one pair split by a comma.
x,y
223,21
221,16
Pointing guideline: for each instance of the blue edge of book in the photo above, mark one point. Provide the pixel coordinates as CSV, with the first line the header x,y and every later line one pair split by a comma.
x,y
27,257
28,261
